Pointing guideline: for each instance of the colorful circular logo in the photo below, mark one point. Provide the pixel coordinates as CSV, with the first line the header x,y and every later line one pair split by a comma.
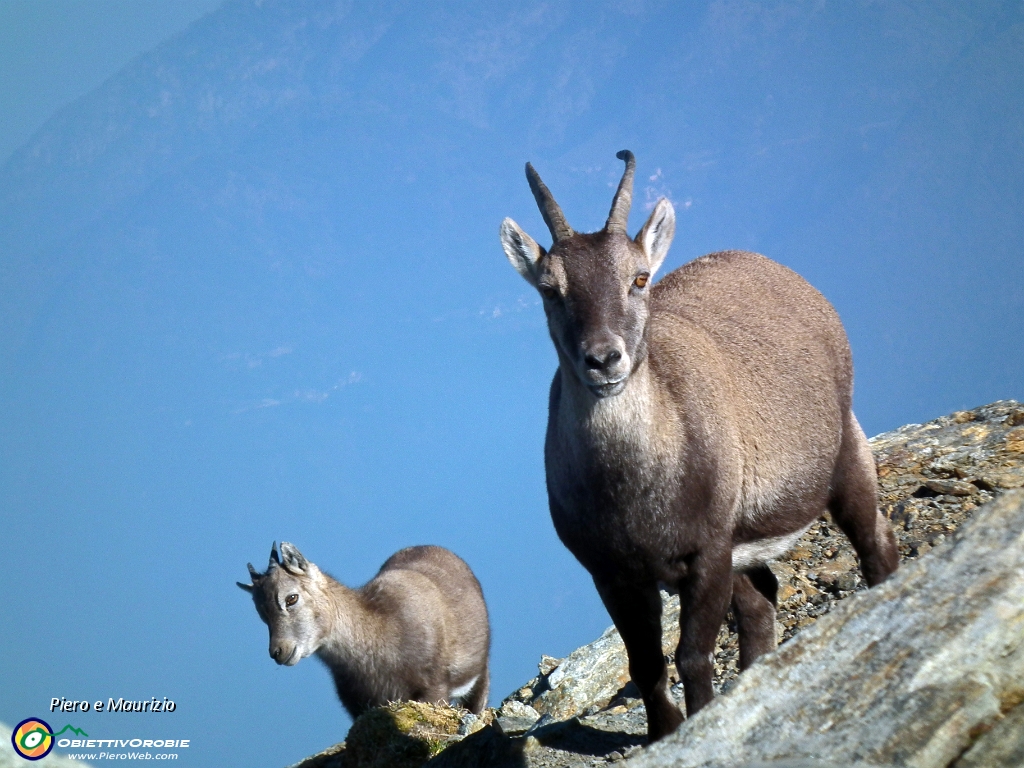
x,y
32,738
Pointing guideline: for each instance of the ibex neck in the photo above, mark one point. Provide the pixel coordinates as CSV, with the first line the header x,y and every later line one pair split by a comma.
x,y
355,632
629,416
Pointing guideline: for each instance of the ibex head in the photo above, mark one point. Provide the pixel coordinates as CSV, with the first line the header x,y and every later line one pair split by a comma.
x,y
286,598
595,286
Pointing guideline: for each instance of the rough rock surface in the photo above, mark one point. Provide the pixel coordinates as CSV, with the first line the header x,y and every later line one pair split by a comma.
x,y
932,478
912,673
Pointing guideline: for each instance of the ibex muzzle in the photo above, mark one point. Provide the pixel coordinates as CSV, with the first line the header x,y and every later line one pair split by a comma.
x,y
696,427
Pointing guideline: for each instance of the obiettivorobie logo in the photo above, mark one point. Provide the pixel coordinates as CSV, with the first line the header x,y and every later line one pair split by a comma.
x,y
33,738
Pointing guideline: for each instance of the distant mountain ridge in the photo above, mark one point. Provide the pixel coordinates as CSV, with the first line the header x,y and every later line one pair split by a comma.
x,y
201,93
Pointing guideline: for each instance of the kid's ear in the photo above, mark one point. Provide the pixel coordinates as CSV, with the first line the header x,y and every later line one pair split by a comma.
x,y
522,250
656,235
292,560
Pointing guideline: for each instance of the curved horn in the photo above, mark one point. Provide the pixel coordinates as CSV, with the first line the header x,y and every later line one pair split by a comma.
x,y
549,209
274,559
254,574
619,215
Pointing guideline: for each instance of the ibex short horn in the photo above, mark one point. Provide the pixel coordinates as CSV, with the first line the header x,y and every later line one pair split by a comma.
x,y
696,427
618,217
553,217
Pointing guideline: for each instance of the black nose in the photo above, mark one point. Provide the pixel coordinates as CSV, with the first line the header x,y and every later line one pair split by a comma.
x,y
602,358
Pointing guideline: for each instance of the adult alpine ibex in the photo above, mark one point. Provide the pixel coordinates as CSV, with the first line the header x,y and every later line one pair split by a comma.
x,y
418,630
696,428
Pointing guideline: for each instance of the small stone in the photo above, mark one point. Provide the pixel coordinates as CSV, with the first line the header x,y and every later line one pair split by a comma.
x,y
1015,441
846,582
531,744
786,591
470,723
800,553
515,718
950,487
548,664
1006,479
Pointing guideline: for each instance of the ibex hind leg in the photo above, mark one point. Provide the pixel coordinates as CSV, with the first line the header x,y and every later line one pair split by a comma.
x,y
476,699
754,595
704,596
853,502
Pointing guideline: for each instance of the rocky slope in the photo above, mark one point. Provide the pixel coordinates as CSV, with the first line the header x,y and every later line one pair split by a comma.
x,y
958,614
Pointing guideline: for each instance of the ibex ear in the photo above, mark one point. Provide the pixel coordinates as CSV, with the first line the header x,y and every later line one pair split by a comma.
x,y
522,250
247,587
656,235
292,560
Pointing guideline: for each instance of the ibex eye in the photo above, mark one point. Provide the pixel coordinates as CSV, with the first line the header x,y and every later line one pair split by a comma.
x,y
548,291
291,600
641,280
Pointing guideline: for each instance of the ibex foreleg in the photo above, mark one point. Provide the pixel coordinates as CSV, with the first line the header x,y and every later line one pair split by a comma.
x,y
636,612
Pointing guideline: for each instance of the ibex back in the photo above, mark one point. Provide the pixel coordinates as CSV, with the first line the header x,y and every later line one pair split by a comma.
x,y
696,428
417,631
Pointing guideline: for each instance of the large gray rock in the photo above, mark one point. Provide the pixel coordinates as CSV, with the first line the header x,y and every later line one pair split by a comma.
x,y
913,673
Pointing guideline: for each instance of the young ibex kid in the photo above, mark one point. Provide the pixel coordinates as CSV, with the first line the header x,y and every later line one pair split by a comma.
x,y
417,631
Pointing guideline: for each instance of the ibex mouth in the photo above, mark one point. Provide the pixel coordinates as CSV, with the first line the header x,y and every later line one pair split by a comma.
x,y
293,658
608,389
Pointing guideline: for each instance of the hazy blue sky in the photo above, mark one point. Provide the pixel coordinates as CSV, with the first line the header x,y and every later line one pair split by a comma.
x,y
251,289
54,51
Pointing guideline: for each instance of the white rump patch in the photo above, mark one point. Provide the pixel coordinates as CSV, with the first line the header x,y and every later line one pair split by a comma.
x,y
759,552
463,690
